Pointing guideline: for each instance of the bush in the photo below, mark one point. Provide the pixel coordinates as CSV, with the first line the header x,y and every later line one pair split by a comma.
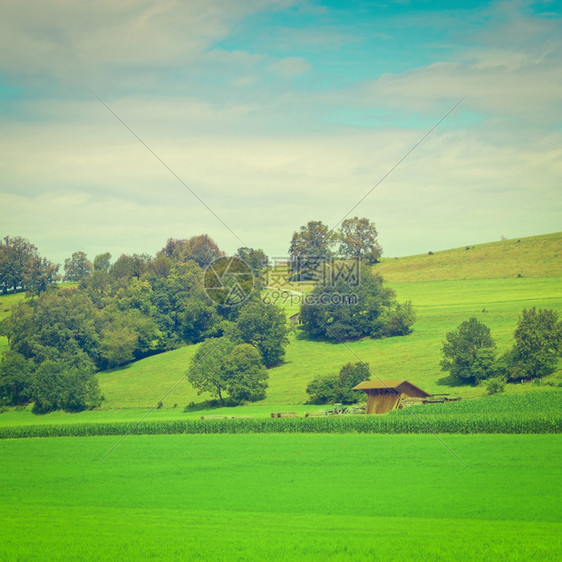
x,y
495,385
338,388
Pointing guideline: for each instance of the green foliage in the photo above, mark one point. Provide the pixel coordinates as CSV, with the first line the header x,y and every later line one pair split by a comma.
x,y
310,247
358,239
206,372
265,327
407,422
16,379
227,370
60,386
202,249
494,385
255,259
469,352
538,344
343,312
102,262
246,374
338,388
77,267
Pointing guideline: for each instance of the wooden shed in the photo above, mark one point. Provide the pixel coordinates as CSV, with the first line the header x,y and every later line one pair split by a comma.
x,y
384,396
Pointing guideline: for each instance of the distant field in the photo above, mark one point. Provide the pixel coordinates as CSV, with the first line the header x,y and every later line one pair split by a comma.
x,y
284,497
536,256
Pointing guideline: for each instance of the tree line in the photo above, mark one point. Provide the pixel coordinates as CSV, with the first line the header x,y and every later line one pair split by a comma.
x,y
121,312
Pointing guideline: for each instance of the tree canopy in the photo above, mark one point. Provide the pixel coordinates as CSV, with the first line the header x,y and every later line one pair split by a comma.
x,y
228,371
345,311
358,239
469,352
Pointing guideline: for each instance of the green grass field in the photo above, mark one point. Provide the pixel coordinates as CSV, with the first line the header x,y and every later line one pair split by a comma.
x,y
535,256
282,497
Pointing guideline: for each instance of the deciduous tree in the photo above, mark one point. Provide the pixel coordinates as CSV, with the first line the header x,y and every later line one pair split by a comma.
x,y
469,352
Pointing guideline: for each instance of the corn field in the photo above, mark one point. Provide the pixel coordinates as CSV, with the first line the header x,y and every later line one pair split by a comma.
x,y
405,423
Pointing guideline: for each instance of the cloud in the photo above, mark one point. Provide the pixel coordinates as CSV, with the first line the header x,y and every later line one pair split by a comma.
x,y
509,70
76,39
291,67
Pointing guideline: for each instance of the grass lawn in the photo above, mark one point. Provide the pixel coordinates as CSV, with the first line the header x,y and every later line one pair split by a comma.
x,y
282,497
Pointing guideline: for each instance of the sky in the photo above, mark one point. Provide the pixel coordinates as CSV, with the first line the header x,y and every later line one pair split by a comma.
x,y
126,123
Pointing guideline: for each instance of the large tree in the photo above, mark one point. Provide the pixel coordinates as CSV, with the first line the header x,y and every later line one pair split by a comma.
x,y
77,267
346,311
202,249
310,250
265,327
22,268
469,352
206,372
358,239
538,344
246,374
227,370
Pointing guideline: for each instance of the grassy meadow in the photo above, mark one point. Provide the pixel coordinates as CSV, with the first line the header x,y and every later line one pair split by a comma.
x,y
282,497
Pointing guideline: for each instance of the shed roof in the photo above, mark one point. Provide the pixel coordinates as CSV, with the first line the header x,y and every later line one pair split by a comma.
x,y
402,386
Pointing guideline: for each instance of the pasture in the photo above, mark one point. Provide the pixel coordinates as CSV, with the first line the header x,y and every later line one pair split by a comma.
x,y
441,306
282,497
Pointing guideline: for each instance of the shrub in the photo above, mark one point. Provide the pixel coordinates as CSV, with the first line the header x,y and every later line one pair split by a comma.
x,y
495,385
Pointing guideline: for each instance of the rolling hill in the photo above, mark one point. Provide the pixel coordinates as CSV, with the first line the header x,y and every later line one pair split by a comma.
x,y
492,282
483,282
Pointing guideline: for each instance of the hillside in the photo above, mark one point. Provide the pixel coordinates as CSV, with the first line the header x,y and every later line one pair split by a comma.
x,y
480,283
535,256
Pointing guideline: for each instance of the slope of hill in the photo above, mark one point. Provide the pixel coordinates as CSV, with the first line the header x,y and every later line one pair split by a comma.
x,y
535,256
474,287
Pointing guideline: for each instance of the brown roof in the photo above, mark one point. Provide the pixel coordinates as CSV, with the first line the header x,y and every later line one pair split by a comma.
x,y
402,386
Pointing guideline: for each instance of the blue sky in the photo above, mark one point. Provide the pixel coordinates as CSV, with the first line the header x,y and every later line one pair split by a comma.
x,y
277,112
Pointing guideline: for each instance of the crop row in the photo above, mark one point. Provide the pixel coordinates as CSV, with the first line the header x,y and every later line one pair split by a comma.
x,y
501,423
539,401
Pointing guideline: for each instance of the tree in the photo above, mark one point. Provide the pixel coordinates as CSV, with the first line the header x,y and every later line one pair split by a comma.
x,y
20,264
206,372
77,267
202,249
344,311
245,373
358,239
16,379
469,352
338,388
310,249
60,386
39,275
226,370
351,375
102,262
265,327
255,259
538,343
